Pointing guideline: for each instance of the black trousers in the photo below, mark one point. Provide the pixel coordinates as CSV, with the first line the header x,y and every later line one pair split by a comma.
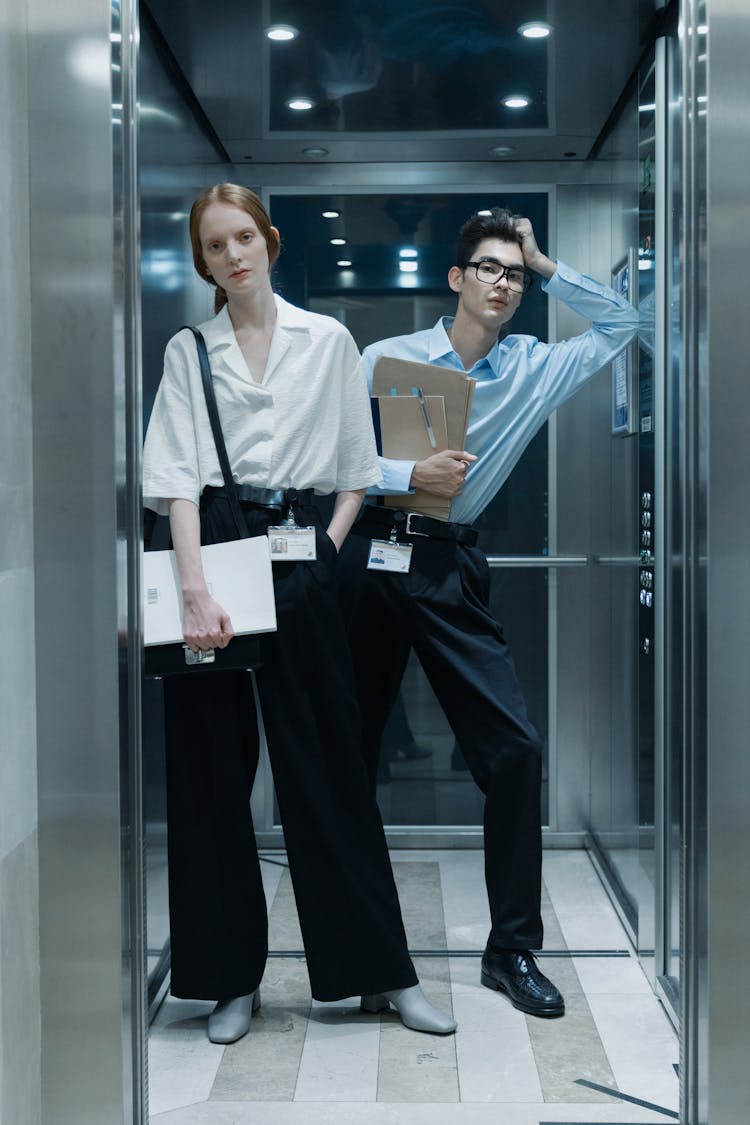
x,y
441,609
343,883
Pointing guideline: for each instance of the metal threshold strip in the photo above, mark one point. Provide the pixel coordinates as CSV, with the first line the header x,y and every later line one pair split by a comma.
x,y
538,953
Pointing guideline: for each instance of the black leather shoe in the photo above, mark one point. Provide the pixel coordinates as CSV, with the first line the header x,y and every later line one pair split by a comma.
x,y
515,972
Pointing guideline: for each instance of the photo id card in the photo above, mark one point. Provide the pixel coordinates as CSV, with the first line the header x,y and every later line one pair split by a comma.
x,y
292,544
385,555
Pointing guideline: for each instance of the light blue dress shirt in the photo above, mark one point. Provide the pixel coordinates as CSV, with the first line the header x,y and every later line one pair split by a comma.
x,y
519,384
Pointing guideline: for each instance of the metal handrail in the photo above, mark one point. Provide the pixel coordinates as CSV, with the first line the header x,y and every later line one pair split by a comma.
x,y
545,561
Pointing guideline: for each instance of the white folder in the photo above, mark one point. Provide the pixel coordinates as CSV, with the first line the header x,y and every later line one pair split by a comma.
x,y
238,575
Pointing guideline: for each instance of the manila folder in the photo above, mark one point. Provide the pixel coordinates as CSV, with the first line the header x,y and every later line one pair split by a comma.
x,y
454,388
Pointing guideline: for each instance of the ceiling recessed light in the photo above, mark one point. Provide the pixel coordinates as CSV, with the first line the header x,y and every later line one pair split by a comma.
x,y
300,103
408,267
315,152
331,214
534,29
281,32
408,252
344,262
502,150
338,242
516,101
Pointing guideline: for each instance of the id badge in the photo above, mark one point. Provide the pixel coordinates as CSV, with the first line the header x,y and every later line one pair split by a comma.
x,y
292,544
385,555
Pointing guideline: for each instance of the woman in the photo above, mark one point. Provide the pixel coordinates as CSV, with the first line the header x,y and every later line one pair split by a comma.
x,y
296,422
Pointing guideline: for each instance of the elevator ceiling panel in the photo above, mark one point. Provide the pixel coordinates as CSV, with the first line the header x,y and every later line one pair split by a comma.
x,y
403,80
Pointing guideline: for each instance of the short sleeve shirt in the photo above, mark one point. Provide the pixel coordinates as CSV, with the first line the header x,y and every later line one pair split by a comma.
x,y
306,424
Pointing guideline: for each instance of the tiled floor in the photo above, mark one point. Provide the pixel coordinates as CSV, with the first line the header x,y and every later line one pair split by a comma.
x,y
610,1060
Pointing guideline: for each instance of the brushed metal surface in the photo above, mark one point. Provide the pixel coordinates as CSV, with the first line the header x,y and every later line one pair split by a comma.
x,y
717,238
79,471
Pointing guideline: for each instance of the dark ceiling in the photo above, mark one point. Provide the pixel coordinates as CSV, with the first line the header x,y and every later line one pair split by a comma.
x,y
390,80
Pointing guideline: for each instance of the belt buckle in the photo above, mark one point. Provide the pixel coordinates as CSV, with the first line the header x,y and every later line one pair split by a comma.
x,y
407,528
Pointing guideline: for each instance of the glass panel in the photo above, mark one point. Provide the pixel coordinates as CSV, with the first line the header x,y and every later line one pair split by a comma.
x,y
424,779
375,299
172,295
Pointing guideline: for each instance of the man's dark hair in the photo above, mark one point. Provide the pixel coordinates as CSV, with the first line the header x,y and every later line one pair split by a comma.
x,y
500,223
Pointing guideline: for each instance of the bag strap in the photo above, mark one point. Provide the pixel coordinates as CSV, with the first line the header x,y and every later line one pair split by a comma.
x,y
213,417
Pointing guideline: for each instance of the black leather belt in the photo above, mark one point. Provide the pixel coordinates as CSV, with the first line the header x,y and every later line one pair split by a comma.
x,y
412,523
266,497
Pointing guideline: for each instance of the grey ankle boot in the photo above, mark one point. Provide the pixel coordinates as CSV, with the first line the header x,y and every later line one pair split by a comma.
x,y
414,1009
230,1019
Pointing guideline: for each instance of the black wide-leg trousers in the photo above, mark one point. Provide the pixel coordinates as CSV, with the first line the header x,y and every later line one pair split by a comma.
x,y
441,609
346,898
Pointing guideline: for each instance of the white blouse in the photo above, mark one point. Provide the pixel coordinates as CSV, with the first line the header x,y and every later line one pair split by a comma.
x,y
306,425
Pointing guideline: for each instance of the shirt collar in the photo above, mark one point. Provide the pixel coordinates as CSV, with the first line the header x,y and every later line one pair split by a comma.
x,y
440,347
220,338
218,332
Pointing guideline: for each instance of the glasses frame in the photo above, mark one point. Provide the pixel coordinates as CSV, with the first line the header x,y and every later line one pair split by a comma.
x,y
504,272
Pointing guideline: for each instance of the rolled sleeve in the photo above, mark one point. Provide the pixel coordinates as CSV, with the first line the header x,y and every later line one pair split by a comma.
x,y
170,457
357,460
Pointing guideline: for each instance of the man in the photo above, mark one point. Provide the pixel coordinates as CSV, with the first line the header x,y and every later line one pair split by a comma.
x,y
440,607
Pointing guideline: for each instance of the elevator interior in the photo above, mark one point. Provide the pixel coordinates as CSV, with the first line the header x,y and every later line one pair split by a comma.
x,y
405,134
118,115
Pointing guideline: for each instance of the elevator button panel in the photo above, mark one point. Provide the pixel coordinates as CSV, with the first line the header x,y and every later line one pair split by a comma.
x,y
646,577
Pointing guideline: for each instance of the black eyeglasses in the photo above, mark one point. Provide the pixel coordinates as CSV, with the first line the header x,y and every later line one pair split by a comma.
x,y
490,272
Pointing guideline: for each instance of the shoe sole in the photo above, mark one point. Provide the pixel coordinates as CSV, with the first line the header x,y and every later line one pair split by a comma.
x,y
529,1009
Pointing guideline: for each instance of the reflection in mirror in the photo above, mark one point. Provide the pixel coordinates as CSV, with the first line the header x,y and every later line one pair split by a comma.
x,y
440,67
344,254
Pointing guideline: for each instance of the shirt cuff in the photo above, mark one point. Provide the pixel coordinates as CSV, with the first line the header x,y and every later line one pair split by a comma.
x,y
396,478
156,500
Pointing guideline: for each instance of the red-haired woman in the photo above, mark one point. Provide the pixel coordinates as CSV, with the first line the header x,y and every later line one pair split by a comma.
x,y
296,422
